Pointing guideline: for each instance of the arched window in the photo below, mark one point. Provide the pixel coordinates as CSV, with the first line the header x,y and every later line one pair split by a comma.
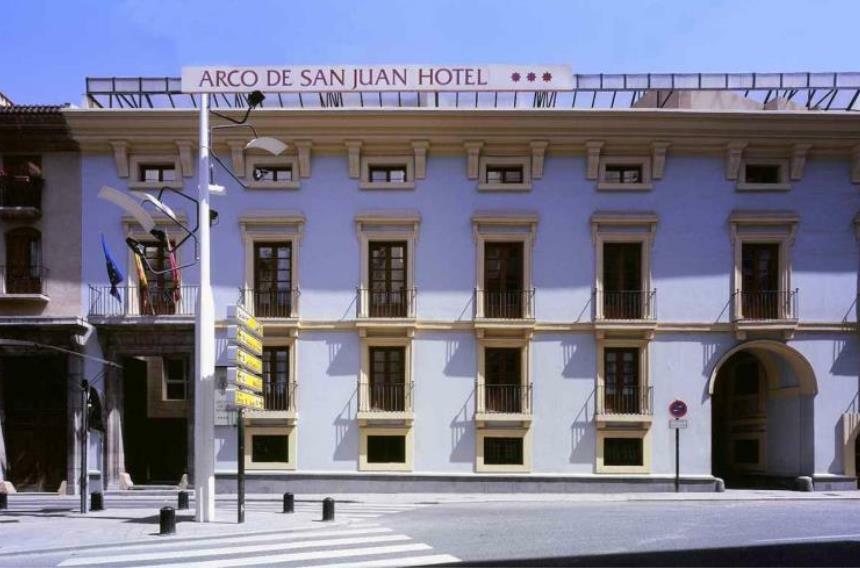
x,y
24,261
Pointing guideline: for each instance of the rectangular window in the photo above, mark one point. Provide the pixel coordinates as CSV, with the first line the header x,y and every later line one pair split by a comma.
x,y
157,173
273,266
270,448
503,280
386,449
760,280
503,451
746,451
503,388
273,173
160,295
623,173
276,378
504,174
622,452
387,379
175,378
388,295
762,173
387,173
623,297
622,392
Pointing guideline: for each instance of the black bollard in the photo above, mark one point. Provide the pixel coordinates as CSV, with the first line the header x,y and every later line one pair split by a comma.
x,y
97,502
289,503
4,501
183,500
167,521
328,509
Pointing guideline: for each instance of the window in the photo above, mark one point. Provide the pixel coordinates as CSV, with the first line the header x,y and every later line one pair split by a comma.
x,y
622,392
386,449
616,173
503,294
157,173
273,174
503,451
503,388
175,378
270,448
387,379
273,292
623,297
762,173
387,174
276,378
504,174
388,295
160,294
391,172
760,280
24,261
623,452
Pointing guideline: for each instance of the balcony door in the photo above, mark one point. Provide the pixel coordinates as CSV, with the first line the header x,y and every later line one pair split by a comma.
x,y
23,261
387,379
161,294
622,391
760,280
503,280
622,281
388,296
276,378
503,386
273,279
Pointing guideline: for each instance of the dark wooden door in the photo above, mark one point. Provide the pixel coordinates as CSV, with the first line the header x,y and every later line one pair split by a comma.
x,y
503,280
622,392
273,279
388,294
34,428
387,379
160,293
23,261
760,280
622,281
503,379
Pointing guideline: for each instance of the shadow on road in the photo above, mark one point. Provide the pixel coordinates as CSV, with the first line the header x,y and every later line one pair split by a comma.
x,y
832,553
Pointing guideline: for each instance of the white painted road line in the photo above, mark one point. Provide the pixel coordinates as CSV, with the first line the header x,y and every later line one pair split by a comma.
x,y
214,551
425,560
811,538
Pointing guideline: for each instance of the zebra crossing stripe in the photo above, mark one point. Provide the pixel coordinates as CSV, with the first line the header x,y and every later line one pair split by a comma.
x,y
425,560
250,549
306,556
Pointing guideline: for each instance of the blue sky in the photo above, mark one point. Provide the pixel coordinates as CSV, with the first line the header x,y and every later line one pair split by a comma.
x,y
52,45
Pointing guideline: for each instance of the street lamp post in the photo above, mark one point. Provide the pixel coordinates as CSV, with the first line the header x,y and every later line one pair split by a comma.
x,y
204,342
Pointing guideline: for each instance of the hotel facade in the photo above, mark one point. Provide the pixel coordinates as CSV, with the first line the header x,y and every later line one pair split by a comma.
x,y
493,298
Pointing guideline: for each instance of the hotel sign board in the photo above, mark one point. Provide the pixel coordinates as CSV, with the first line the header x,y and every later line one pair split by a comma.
x,y
245,368
376,78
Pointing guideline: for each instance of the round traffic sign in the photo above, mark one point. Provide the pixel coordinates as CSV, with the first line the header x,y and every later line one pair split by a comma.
x,y
678,408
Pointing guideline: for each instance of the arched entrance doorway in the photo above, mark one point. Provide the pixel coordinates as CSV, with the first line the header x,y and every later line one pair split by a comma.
x,y
761,411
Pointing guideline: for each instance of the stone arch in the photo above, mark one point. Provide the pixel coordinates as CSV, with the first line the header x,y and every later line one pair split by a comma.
x,y
766,349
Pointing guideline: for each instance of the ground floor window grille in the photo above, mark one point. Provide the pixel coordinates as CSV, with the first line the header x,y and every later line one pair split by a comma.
x,y
503,451
622,451
386,449
270,448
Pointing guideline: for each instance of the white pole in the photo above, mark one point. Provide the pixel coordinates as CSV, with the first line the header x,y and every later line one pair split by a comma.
x,y
204,343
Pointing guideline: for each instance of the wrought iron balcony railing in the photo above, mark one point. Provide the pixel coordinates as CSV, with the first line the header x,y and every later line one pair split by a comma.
x,y
765,305
625,304
386,304
20,193
24,279
271,303
385,397
505,399
148,301
279,396
504,304
636,400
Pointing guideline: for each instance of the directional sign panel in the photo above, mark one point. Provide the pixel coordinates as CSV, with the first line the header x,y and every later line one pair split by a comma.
x,y
241,399
239,336
246,320
241,378
236,356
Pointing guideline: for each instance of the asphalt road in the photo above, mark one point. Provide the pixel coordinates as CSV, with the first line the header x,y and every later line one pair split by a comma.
x,y
784,533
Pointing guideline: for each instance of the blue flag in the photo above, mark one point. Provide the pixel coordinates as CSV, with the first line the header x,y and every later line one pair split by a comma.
x,y
114,274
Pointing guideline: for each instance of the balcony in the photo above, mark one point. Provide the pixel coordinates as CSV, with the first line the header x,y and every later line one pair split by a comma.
x,y
625,305
279,401
769,310
504,304
20,197
398,304
504,403
272,303
24,283
385,401
166,302
624,404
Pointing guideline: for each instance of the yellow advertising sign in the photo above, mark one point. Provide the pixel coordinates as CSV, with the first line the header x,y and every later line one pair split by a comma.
x,y
244,379
240,357
246,320
241,399
244,339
